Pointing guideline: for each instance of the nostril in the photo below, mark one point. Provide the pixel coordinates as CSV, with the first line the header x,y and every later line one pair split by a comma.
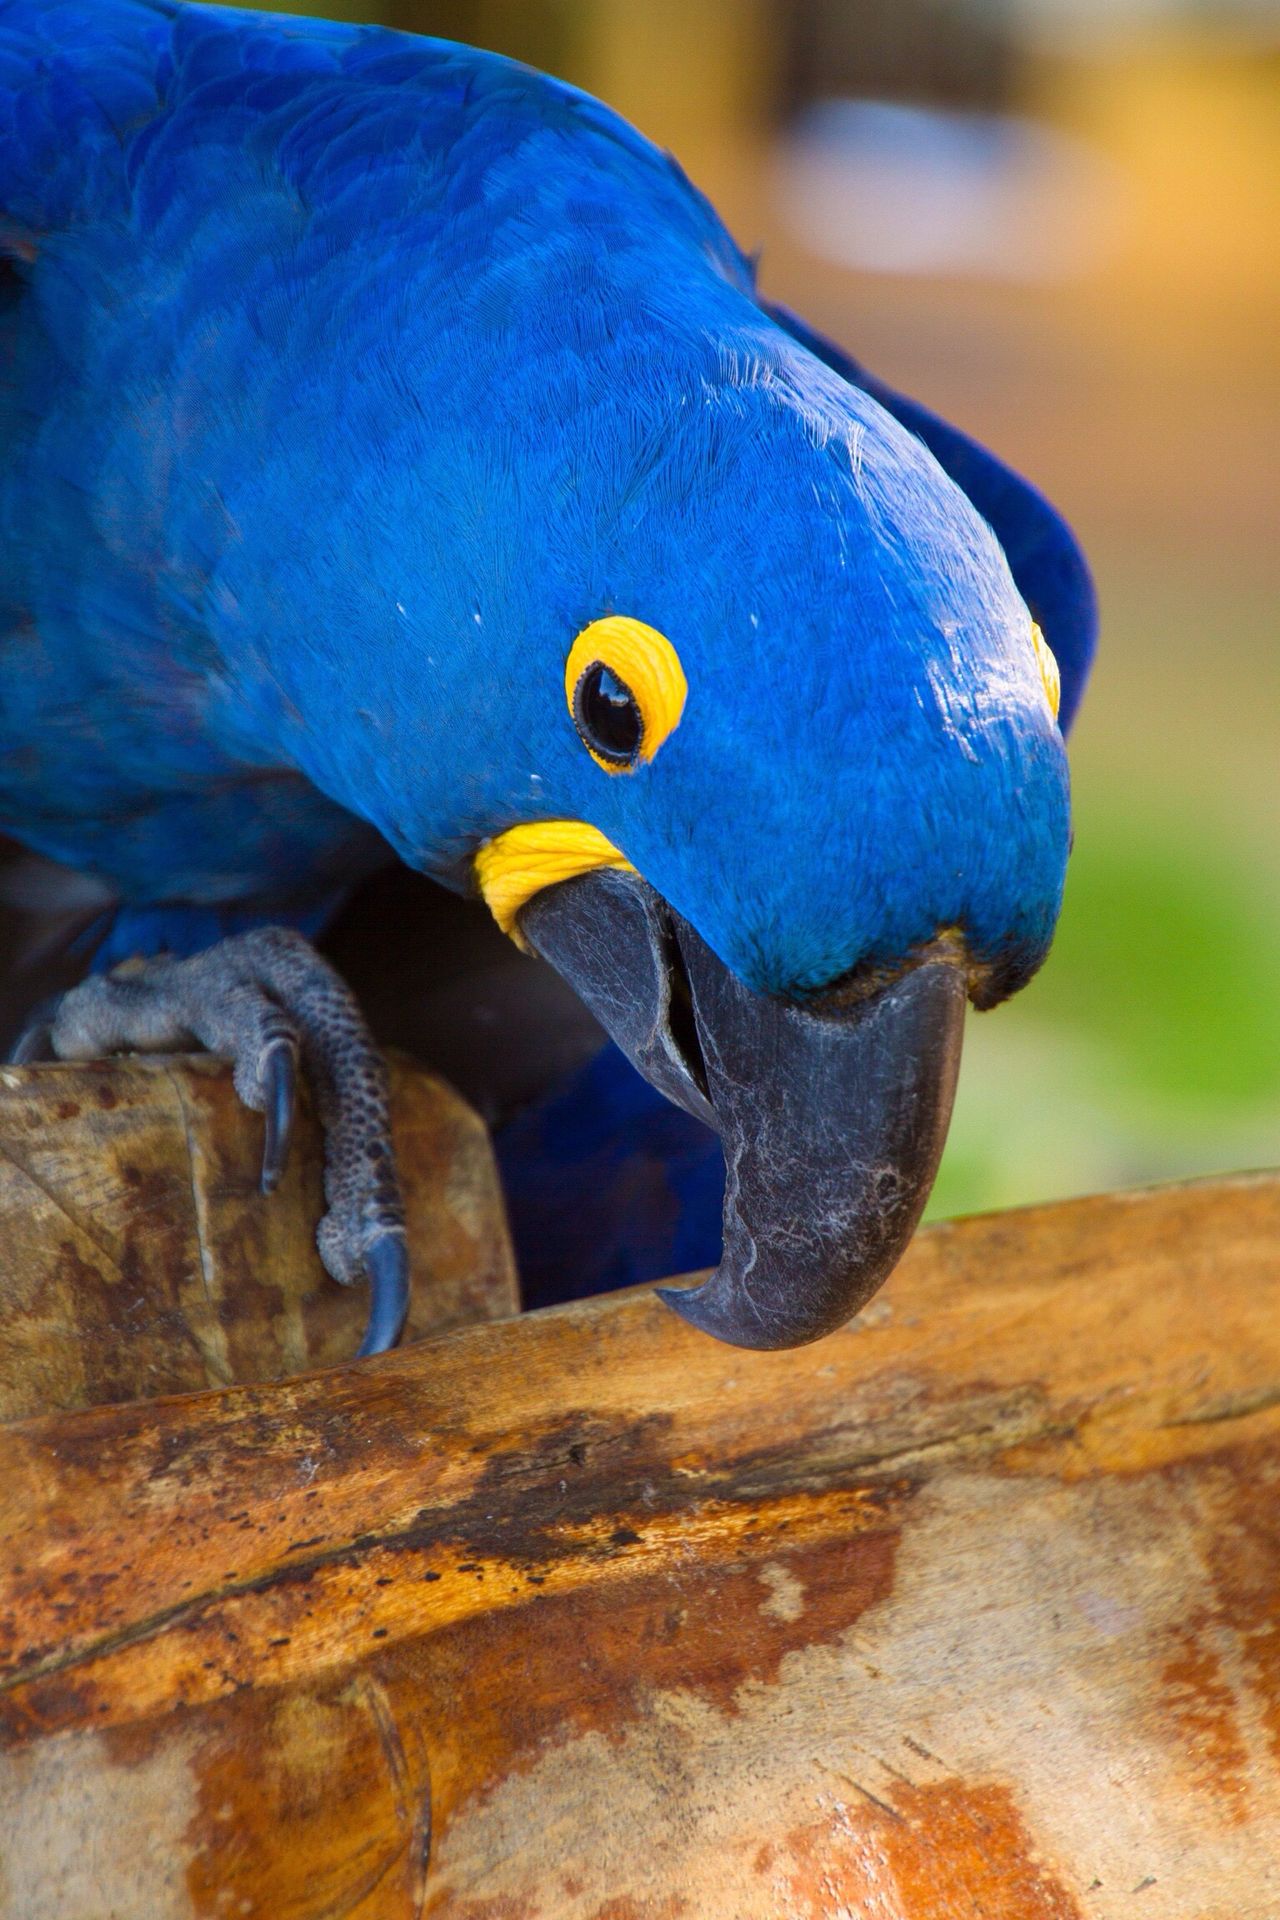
x,y
870,977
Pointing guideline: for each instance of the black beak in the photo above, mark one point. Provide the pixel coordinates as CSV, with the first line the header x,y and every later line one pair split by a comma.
x,y
832,1121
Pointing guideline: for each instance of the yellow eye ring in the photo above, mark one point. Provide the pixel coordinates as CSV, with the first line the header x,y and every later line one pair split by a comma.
x,y
1049,675
625,690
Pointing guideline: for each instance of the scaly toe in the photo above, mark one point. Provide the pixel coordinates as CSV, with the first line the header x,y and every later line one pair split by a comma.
x,y
266,1001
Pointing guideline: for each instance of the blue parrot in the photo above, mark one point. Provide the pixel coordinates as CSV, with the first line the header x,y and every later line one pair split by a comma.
x,y
399,461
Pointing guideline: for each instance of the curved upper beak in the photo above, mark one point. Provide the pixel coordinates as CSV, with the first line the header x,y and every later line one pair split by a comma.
x,y
832,1121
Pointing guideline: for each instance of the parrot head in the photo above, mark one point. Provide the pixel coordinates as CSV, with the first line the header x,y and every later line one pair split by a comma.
x,y
796,793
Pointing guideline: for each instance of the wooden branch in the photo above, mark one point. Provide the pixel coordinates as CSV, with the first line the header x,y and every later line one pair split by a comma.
x,y
137,1256
969,1610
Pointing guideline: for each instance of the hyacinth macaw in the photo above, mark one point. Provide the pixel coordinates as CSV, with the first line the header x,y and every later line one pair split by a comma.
x,y
399,460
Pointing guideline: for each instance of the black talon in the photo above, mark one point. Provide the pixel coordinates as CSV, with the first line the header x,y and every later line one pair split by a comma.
x,y
35,1042
280,1086
387,1265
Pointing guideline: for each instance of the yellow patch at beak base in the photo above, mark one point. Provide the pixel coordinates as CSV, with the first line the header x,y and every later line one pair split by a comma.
x,y
515,865
1048,669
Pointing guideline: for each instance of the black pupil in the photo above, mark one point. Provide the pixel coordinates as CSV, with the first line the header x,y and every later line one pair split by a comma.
x,y
607,715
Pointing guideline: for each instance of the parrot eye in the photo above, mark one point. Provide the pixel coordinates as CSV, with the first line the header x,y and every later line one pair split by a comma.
x,y
606,715
625,690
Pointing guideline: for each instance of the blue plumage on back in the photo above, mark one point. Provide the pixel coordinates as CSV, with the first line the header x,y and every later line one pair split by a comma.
x,y
359,174
454,316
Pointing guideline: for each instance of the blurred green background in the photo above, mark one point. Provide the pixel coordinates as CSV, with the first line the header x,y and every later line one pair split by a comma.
x,y
1055,221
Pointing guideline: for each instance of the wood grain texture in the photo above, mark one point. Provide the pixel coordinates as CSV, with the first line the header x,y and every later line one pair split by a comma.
x,y
137,1256
966,1613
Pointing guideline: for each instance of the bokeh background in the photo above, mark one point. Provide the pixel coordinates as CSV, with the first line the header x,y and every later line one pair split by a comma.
x,y
1058,223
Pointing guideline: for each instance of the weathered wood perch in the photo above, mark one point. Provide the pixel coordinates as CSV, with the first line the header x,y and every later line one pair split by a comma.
x,y
137,1256
967,1613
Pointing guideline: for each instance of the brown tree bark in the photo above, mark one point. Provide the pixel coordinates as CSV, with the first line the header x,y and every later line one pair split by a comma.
x,y
137,1256
970,1610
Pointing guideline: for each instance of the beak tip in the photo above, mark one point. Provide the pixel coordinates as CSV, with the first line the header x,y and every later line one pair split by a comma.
x,y
702,1308
717,1307
684,1301
675,1298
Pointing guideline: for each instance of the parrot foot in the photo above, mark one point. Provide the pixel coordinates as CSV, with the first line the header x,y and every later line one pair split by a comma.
x,y
266,1000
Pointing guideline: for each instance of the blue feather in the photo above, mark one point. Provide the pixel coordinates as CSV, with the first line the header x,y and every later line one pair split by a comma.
x,y
608,1185
344,378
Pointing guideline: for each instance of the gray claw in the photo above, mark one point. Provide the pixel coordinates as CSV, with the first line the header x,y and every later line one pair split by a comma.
x,y
387,1266
35,1042
267,1002
279,1074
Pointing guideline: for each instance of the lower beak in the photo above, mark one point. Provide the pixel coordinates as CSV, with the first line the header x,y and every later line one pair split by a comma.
x,y
832,1122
